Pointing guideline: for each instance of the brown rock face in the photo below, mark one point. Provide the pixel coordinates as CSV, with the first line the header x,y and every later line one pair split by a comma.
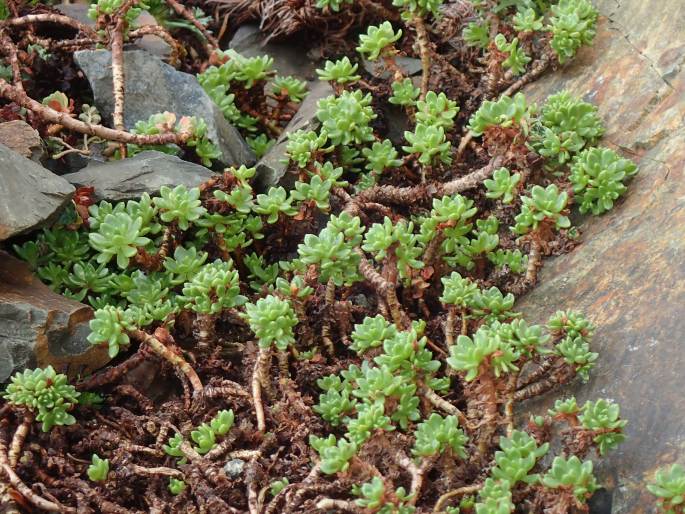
x,y
22,138
39,327
629,274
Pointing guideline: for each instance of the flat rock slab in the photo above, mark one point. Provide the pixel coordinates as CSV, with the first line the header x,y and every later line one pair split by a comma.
x,y
628,276
39,327
152,86
30,195
145,172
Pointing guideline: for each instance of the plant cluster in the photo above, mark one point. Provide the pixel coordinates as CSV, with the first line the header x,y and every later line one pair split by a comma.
x,y
669,488
44,392
193,131
366,313
251,96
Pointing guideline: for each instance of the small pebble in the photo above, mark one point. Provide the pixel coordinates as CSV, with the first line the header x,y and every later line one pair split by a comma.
x,y
233,468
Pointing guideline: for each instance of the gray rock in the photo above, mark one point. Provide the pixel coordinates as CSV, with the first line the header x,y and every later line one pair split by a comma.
x,y
30,196
152,86
78,11
289,59
234,468
23,139
270,169
628,275
39,327
408,65
145,172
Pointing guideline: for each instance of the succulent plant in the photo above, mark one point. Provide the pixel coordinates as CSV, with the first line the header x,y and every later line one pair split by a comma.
x,y
527,20
371,333
332,250
260,144
669,487
404,92
495,498
335,454
418,7
457,290
527,339
576,352
491,304
179,205
184,265
204,436
517,59
109,7
502,185
381,237
316,190
504,112
556,148
278,485
563,408
477,34
469,353
31,252
518,456
249,69
436,434
44,392
302,144
110,325
342,71
377,39
176,486
603,415
437,110
429,142
370,419
563,113
570,324
273,203
64,246
333,5
372,496
573,24
98,469
335,402
173,448
272,320
198,139
543,204
380,156
571,474
213,288
295,89
597,175
54,275
345,118
513,259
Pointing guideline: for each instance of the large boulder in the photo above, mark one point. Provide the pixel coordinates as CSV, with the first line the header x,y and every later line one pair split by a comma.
x,y
145,172
39,327
30,196
152,86
628,276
